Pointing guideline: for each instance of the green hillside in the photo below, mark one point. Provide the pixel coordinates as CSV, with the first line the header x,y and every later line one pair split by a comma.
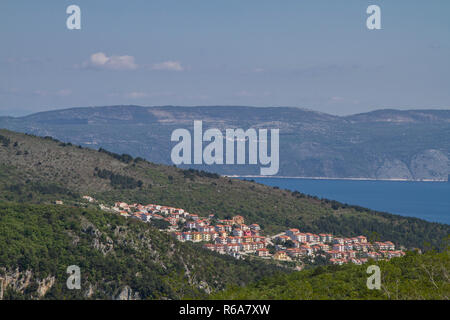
x,y
43,170
414,276
126,259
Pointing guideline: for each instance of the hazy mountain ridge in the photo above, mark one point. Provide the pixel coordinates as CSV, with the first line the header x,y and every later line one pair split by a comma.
x,y
383,144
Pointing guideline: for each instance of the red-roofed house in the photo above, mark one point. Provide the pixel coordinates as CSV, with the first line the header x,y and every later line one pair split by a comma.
x,y
263,252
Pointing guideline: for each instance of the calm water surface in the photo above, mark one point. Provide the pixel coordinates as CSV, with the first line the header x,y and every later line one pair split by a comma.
x,y
426,200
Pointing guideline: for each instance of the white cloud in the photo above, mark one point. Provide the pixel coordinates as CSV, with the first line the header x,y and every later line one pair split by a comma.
x,y
99,59
59,93
102,61
137,95
168,65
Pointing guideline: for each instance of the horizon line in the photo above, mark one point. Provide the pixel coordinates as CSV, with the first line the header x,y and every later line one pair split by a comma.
x,y
443,108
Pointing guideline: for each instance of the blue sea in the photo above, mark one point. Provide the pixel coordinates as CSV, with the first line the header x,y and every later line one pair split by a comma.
x,y
426,200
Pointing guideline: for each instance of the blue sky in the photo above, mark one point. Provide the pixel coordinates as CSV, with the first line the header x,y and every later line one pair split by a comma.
x,y
311,54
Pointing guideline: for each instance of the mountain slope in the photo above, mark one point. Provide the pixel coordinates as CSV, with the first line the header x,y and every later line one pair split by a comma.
x,y
413,277
119,258
41,170
383,144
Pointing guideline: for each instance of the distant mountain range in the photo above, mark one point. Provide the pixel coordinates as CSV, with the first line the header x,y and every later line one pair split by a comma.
x,y
383,144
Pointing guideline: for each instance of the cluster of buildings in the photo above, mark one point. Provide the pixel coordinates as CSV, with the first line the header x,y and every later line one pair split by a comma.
x,y
228,236
151,211
231,236
234,237
295,244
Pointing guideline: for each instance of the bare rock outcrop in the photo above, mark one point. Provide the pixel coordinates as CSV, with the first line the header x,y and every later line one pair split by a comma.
x,y
430,165
394,169
127,294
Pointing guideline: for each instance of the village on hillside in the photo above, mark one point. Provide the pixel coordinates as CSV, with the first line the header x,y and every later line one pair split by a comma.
x,y
235,238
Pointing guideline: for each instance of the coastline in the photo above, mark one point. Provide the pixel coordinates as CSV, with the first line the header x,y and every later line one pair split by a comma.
x,y
334,178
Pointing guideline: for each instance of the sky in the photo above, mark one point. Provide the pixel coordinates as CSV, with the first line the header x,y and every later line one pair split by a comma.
x,y
312,54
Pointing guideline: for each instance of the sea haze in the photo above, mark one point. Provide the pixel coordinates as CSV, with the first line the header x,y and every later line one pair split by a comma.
x,y
426,200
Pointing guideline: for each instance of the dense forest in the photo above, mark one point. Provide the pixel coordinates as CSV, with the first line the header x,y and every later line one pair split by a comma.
x,y
39,242
118,255
414,276
118,180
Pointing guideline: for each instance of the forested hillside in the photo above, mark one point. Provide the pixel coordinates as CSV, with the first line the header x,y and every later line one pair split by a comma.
x,y
126,259
119,258
42,170
414,276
